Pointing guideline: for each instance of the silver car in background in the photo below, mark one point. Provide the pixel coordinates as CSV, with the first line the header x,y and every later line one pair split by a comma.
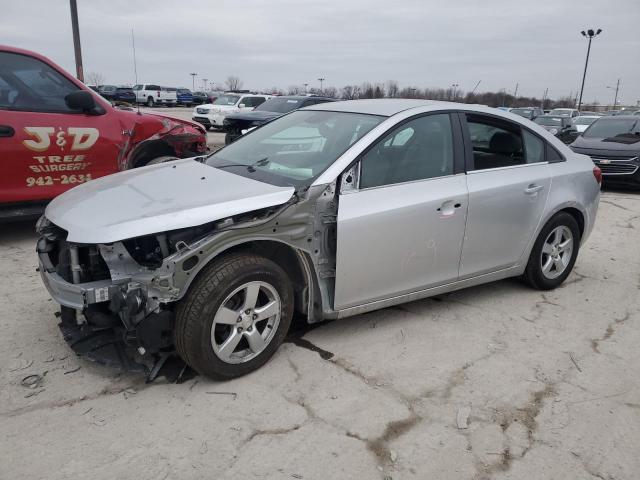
x,y
329,211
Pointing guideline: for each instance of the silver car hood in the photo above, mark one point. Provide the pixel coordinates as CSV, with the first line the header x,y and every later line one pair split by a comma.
x,y
158,198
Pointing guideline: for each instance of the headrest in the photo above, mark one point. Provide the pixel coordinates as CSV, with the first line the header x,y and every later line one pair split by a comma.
x,y
505,143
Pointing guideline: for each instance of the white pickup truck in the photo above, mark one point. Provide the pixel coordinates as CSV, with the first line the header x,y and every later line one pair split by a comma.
x,y
151,95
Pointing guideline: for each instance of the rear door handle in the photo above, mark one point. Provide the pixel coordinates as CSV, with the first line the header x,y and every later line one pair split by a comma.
x,y
448,208
531,189
6,131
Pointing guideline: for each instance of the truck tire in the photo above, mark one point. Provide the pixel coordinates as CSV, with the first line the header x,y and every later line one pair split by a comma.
x,y
161,159
150,102
234,316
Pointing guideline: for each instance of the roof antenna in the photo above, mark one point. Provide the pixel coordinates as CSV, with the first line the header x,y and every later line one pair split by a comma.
x,y
135,67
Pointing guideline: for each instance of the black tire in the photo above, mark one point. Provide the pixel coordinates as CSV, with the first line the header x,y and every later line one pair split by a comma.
x,y
150,102
161,159
196,311
534,274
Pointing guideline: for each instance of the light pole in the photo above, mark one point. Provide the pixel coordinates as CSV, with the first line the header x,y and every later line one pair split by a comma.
x,y
590,34
76,40
454,85
193,80
615,100
321,79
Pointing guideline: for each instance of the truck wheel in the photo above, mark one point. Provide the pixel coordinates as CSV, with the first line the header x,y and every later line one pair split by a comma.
x,y
554,253
234,316
150,102
162,159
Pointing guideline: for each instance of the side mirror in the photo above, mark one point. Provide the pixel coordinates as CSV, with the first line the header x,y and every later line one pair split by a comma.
x,y
242,105
82,101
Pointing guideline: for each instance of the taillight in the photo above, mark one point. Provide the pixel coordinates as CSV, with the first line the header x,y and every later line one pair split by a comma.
x,y
597,172
158,94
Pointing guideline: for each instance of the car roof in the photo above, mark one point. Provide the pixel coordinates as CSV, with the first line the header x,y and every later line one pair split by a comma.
x,y
609,118
387,107
303,97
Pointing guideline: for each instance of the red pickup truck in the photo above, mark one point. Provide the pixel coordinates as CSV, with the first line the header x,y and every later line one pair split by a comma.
x,y
55,132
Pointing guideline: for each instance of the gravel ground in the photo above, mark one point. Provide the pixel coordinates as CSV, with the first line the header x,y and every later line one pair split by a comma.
x,y
497,381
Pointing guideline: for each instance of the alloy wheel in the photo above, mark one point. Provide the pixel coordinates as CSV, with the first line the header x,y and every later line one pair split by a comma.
x,y
246,322
556,252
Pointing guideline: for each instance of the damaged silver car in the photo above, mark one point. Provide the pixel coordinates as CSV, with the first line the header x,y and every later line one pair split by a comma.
x,y
327,212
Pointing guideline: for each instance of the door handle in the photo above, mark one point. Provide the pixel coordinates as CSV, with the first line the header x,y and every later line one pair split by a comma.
x,y
6,131
531,189
448,208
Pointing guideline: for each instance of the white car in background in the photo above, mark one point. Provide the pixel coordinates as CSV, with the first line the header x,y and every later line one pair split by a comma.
x,y
213,114
583,121
565,112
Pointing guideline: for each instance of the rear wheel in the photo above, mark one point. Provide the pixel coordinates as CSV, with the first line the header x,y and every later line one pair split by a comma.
x,y
234,316
554,253
150,102
162,159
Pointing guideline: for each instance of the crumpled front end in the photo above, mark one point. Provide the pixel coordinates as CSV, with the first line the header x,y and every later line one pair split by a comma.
x,y
154,134
110,312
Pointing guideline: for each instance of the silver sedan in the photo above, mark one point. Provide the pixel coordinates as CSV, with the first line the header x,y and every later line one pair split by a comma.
x,y
327,212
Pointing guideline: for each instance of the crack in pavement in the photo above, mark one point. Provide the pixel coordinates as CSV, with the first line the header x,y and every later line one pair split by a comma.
x,y
595,342
379,446
525,415
113,389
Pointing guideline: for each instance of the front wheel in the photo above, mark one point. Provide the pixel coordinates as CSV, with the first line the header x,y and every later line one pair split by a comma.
x,y
234,316
554,253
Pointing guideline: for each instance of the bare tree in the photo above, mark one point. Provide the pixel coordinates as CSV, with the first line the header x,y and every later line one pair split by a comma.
x,y
233,82
95,78
350,92
295,90
331,92
392,89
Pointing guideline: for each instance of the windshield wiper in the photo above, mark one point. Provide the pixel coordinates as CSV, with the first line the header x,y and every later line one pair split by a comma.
x,y
263,162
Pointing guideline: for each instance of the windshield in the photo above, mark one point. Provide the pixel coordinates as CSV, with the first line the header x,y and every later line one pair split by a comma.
x,y
183,91
294,149
124,89
564,112
523,112
227,100
584,120
549,121
280,105
611,127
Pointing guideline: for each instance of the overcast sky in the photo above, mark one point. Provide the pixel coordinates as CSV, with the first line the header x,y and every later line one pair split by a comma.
x,y
423,43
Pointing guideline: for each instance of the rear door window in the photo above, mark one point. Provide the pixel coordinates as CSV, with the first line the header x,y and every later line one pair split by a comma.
x,y
496,143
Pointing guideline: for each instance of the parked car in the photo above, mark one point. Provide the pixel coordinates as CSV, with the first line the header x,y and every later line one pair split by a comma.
x,y
528,112
613,143
583,121
184,97
117,94
152,95
329,211
564,112
55,132
213,115
560,126
589,114
200,97
237,124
